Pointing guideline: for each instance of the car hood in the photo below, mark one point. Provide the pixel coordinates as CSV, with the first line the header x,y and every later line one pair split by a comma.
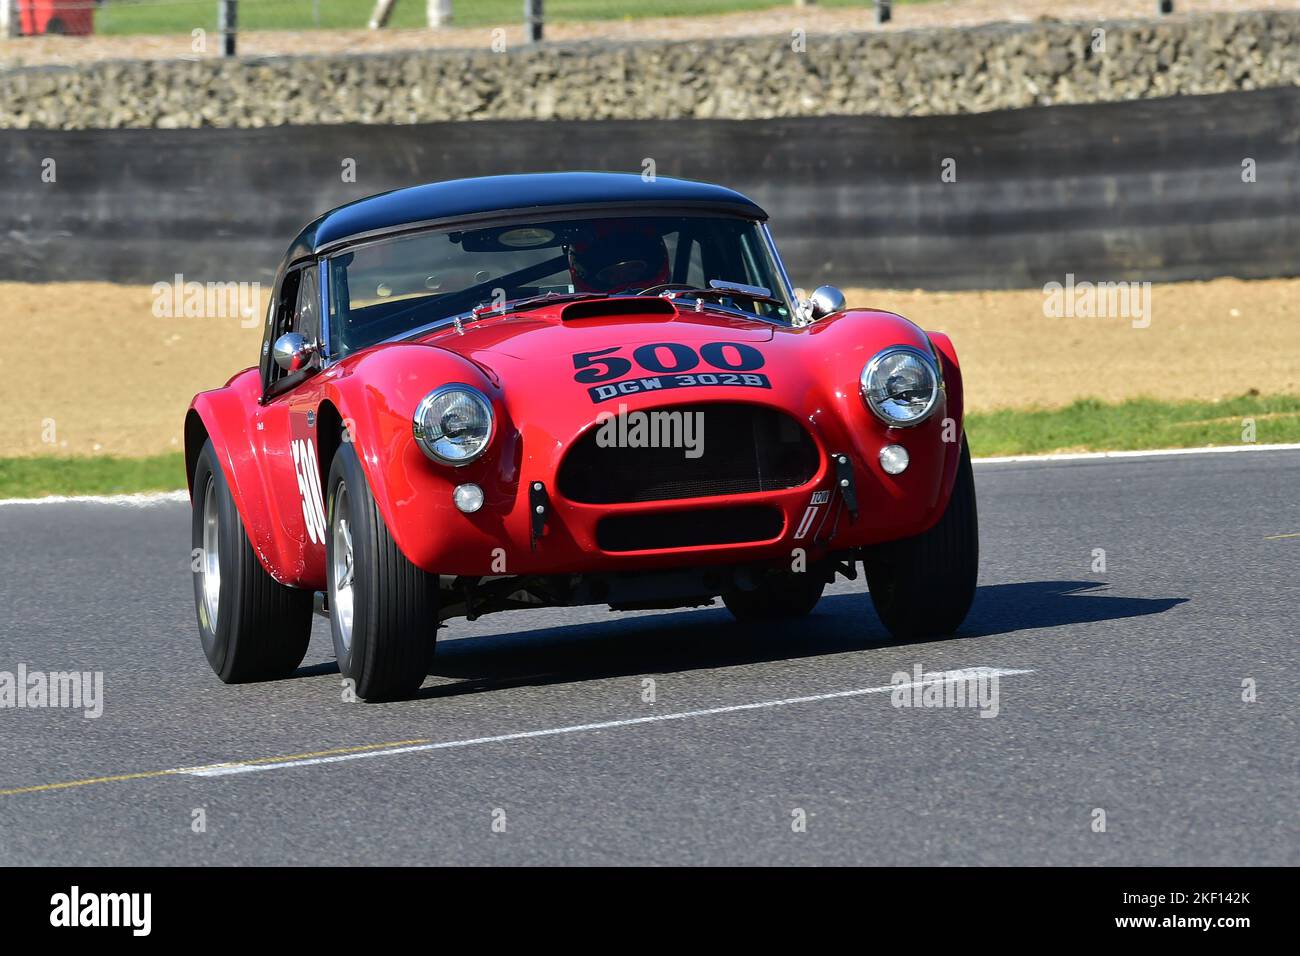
x,y
555,369
547,341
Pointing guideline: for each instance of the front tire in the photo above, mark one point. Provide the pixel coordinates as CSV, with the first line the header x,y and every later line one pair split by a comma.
x,y
923,586
383,609
252,627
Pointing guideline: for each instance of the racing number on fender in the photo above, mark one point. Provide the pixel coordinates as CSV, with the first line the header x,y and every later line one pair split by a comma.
x,y
665,358
307,469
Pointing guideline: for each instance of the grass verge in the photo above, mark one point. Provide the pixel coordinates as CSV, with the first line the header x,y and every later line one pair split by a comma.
x,y
1087,425
1139,423
39,477
126,17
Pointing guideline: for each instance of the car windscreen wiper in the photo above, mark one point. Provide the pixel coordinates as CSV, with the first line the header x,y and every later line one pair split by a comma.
x,y
755,293
718,289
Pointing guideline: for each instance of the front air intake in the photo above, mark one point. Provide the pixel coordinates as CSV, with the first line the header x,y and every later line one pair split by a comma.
x,y
743,449
689,529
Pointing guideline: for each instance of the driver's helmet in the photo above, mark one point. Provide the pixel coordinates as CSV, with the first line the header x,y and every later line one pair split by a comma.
x,y
618,256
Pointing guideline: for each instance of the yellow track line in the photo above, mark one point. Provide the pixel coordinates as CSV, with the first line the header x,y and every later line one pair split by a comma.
x,y
87,782
1278,537
151,774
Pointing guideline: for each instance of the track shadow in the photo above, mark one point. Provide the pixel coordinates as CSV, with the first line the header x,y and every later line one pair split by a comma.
x,y
706,638
317,670
1004,608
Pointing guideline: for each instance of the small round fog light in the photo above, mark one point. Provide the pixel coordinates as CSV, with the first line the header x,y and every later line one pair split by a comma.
x,y
468,498
893,458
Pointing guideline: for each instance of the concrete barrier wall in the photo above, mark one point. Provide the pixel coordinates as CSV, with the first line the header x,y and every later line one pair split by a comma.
x,y
927,72
1149,189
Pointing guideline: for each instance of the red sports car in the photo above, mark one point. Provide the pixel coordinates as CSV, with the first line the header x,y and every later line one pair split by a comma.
x,y
563,389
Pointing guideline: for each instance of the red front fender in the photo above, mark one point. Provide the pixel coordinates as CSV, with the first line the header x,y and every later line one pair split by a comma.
x,y
227,417
956,408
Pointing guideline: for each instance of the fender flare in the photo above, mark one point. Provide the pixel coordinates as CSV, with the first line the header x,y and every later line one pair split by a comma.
x,y
956,399
222,416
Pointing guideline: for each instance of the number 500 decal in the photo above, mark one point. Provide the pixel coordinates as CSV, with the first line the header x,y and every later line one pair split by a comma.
x,y
670,365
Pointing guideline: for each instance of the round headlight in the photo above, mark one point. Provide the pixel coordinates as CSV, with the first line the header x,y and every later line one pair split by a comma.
x,y
901,385
453,424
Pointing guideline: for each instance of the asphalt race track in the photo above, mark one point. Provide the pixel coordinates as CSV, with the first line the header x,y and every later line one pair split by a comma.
x,y
1131,703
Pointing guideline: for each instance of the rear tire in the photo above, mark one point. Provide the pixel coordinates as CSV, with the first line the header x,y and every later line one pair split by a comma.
x,y
383,609
923,586
780,595
252,627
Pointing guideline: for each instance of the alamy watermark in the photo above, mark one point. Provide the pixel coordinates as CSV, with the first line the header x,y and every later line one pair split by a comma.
x,y
1098,300
659,429
950,689
133,911
67,690
180,299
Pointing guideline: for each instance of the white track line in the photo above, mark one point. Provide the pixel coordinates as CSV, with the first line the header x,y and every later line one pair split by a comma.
x,y
142,500
941,677
1152,453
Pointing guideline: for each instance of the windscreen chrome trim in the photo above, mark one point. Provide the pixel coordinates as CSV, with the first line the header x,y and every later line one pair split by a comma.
x,y
534,213
792,298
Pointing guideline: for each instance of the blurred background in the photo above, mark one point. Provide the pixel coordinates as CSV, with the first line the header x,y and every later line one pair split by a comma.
x,y
951,161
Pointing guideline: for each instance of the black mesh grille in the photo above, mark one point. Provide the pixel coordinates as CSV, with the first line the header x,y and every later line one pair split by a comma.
x,y
746,448
688,529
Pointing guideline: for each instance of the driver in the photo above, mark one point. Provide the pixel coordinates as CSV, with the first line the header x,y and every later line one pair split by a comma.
x,y
618,257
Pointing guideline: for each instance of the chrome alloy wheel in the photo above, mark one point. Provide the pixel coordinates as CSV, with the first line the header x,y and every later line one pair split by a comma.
x,y
210,565
342,573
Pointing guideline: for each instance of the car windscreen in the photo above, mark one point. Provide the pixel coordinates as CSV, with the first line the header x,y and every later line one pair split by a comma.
x,y
385,289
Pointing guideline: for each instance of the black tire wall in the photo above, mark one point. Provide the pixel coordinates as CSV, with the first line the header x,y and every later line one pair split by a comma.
x,y
1142,190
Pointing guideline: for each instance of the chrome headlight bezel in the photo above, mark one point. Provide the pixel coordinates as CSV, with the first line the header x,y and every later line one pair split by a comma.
x,y
865,381
426,441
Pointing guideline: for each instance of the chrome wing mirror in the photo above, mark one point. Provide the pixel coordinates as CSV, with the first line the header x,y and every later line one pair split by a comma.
x,y
292,351
825,300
